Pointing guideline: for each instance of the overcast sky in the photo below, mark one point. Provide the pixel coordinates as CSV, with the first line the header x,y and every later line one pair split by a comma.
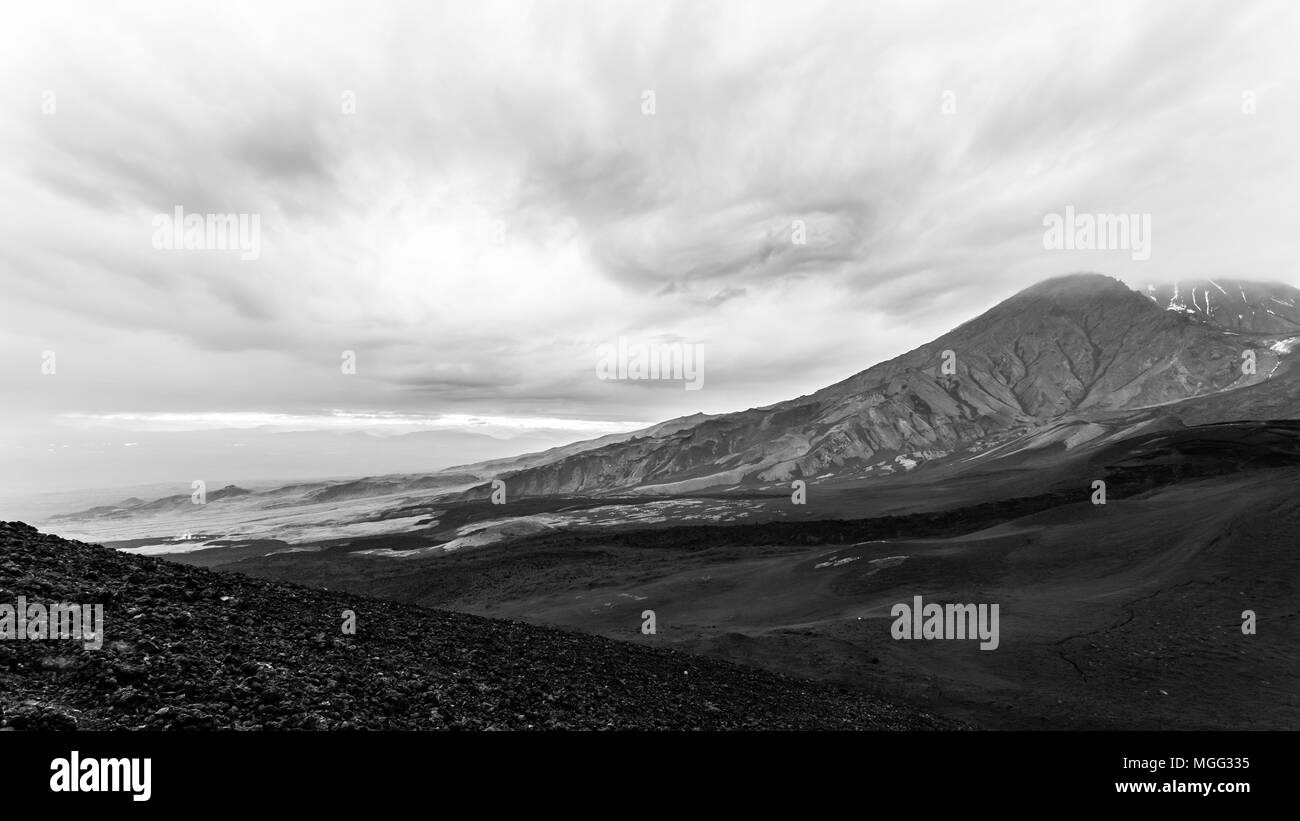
x,y
474,196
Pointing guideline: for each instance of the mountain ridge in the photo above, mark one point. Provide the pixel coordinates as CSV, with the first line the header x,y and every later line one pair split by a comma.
x,y
1243,306
1078,343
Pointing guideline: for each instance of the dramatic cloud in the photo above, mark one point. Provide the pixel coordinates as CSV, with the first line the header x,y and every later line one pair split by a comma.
x,y
471,198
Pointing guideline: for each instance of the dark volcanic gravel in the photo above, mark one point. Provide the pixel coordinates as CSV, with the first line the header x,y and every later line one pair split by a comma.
x,y
186,648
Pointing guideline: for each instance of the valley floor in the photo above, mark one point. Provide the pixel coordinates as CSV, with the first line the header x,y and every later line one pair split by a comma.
x,y
1124,615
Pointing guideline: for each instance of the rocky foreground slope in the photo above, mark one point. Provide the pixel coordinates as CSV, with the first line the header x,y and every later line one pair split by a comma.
x,y
185,648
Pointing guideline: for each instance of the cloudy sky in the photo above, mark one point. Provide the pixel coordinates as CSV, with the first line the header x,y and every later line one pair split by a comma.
x,y
472,197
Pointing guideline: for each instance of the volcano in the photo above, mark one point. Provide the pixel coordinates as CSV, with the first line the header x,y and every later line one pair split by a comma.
x,y
1080,347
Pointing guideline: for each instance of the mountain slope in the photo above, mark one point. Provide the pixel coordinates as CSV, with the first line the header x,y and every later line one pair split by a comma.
x,y
1075,344
494,467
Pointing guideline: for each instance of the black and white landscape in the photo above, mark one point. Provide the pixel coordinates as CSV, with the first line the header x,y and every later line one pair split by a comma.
x,y
650,366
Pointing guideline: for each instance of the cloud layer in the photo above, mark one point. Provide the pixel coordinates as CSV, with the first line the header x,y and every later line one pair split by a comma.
x,y
471,198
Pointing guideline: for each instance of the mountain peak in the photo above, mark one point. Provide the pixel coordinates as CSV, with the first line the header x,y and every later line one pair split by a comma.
x,y
1079,285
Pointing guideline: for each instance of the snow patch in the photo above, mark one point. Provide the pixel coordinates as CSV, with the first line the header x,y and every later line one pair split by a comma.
x,y
168,548
836,562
